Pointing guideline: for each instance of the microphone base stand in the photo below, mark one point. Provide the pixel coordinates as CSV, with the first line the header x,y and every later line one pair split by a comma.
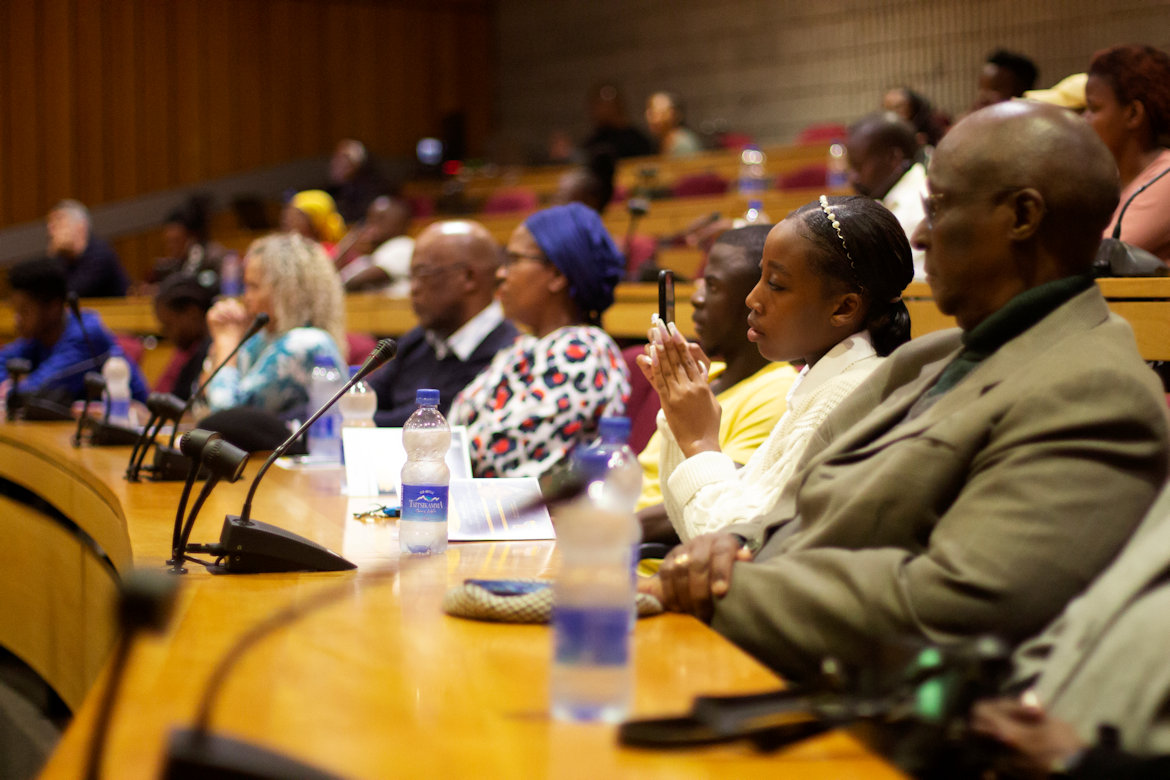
x,y
105,434
170,465
194,755
43,410
254,547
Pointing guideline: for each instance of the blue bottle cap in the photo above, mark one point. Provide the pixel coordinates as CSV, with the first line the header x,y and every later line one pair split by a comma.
x,y
758,205
426,397
322,360
615,429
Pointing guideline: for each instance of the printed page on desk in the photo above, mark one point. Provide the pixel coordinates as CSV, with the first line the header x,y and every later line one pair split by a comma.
x,y
482,510
374,458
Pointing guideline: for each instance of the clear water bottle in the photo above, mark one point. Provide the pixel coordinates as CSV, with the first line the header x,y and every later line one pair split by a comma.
x,y
837,167
116,372
357,408
325,434
611,466
753,216
592,676
422,527
753,177
231,276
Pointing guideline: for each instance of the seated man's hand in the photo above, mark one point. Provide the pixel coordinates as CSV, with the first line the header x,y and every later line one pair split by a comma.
x,y
1045,744
693,575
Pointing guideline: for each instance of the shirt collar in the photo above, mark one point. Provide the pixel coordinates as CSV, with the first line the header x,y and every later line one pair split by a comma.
x,y
1022,312
847,352
463,342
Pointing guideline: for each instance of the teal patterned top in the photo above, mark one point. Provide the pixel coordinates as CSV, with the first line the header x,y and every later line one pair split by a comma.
x,y
273,372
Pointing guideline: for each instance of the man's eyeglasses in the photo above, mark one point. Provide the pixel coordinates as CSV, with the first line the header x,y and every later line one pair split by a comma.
x,y
431,271
932,202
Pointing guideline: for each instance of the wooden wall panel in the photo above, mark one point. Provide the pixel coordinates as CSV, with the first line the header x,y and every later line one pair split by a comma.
x,y
110,100
26,147
121,76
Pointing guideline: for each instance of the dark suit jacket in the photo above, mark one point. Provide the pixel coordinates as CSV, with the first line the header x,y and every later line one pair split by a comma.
x,y
96,272
416,366
986,513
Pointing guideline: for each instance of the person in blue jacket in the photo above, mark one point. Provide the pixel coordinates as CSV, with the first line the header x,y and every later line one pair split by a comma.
x,y
50,337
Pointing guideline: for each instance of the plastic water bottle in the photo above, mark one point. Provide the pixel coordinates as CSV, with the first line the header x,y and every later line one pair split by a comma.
x,y
116,372
357,408
837,167
753,177
231,276
753,216
422,528
325,434
594,594
611,465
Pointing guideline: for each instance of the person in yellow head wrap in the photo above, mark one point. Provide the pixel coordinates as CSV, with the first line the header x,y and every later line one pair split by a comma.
x,y
313,214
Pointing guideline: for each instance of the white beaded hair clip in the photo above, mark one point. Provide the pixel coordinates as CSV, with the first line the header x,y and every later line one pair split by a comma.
x,y
836,223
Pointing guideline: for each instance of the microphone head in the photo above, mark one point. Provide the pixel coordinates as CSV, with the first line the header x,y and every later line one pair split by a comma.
x,y
225,459
381,354
95,383
18,366
164,405
260,321
193,442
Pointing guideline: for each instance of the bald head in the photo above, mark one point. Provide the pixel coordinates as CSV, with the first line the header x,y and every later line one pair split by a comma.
x,y
1019,144
880,148
453,274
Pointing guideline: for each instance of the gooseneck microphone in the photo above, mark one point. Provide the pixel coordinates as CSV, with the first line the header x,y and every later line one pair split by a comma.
x,y
169,463
95,383
1140,190
191,446
163,408
75,306
246,545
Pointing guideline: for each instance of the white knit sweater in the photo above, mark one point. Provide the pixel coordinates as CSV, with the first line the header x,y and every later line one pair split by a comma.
x,y
707,492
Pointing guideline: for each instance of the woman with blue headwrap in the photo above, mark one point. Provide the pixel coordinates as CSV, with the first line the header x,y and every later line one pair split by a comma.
x,y
546,393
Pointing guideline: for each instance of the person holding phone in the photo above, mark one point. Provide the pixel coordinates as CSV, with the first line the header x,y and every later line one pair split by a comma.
x,y
828,298
749,388
546,393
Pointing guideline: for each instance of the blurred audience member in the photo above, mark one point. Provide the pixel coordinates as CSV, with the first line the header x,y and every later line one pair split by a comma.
x,y
181,306
92,269
461,326
929,125
1128,104
187,246
312,214
665,115
354,181
591,183
1005,75
612,131
291,279
545,394
386,262
882,150
51,339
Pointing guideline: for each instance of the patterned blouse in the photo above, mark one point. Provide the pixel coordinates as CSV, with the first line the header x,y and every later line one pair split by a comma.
x,y
273,372
539,398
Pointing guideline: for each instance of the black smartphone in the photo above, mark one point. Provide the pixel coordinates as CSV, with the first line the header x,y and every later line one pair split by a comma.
x,y
666,295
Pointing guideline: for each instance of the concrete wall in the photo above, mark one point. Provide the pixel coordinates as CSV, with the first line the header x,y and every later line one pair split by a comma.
x,y
771,67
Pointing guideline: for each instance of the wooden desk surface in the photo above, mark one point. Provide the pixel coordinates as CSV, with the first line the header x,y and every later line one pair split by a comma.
x,y
382,683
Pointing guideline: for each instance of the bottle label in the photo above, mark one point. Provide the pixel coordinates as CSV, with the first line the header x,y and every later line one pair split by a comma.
x,y
427,503
593,636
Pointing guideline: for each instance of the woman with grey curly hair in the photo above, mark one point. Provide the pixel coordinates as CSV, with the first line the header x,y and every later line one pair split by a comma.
x,y
293,281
